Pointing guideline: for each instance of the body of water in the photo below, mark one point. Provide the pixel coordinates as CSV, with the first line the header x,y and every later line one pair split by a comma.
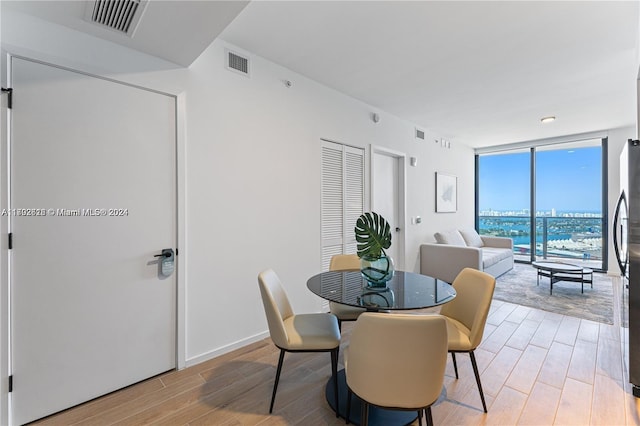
x,y
569,236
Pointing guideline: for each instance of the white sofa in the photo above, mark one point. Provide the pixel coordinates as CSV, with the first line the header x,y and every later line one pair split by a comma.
x,y
455,250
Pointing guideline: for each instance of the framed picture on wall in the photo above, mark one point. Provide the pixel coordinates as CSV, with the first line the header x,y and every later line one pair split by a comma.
x,y
446,193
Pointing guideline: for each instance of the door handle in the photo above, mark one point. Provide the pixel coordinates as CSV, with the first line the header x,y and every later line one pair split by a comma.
x,y
166,262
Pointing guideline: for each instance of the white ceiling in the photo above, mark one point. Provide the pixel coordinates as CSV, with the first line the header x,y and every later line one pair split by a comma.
x,y
177,31
481,73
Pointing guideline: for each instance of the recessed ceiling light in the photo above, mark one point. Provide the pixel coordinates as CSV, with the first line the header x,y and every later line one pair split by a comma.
x,y
548,119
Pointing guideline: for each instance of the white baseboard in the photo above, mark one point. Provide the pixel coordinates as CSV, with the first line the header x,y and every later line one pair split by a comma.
x,y
225,349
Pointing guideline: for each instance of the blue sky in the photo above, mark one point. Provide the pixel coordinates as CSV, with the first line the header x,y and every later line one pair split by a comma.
x,y
566,179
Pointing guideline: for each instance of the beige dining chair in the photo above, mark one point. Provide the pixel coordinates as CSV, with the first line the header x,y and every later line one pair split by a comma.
x,y
466,316
396,361
297,333
345,262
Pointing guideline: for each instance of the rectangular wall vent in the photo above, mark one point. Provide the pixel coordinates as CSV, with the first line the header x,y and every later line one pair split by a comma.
x,y
237,63
419,134
119,15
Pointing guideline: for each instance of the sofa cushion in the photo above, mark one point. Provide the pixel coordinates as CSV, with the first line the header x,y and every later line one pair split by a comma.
x,y
451,237
471,237
491,256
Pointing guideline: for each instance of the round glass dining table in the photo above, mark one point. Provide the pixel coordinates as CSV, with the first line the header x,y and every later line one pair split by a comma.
x,y
406,290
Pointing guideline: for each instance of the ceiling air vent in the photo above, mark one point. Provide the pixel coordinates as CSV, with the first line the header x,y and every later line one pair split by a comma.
x,y
119,15
419,134
237,63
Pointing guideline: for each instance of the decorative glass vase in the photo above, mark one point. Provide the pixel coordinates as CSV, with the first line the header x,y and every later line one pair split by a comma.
x,y
377,271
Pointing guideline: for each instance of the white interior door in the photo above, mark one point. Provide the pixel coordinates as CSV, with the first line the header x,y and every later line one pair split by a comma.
x,y
94,160
387,199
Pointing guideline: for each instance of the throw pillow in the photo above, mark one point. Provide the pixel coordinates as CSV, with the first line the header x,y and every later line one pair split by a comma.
x,y
471,237
451,237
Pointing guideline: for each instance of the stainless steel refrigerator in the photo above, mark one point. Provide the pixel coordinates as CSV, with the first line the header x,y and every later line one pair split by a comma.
x,y
626,238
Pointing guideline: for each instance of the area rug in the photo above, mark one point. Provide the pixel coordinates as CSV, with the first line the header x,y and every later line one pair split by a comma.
x,y
519,286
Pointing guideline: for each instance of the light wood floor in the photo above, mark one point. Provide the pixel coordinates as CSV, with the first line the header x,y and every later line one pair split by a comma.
x,y
537,368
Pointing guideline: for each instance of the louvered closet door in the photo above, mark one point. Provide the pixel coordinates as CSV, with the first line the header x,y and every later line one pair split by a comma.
x,y
332,202
353,194
342,198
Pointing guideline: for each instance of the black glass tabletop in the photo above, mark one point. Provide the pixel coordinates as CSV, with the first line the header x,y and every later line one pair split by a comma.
x,y
406,290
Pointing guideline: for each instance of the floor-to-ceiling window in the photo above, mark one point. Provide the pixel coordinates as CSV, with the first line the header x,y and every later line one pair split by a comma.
x,y
569,220
504,182
550,199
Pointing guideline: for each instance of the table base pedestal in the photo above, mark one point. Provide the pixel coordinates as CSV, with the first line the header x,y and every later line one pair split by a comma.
x,y
377,415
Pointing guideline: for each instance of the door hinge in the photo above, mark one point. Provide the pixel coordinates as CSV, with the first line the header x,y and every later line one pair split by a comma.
x,y
10,242
11,383
176,251
9,92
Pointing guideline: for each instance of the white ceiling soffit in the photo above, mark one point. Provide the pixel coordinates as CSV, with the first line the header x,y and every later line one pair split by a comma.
x,y
481,73
177,31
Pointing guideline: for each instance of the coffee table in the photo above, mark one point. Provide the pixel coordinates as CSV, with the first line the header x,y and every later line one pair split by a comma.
x,y
558,271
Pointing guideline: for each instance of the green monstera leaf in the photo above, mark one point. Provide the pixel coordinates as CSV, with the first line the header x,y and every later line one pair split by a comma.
x,y
373,235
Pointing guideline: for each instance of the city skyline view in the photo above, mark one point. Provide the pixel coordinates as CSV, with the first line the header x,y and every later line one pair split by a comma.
x,y
568,181
540,213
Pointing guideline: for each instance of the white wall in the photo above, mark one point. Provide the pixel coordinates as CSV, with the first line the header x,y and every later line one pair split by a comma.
x,y
253,172
254,187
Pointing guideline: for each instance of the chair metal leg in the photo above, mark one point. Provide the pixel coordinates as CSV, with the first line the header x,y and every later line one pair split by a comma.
x,y
428,415
275,384
364,414
455,365
420,417
475,371
334,375
349,393
340,325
